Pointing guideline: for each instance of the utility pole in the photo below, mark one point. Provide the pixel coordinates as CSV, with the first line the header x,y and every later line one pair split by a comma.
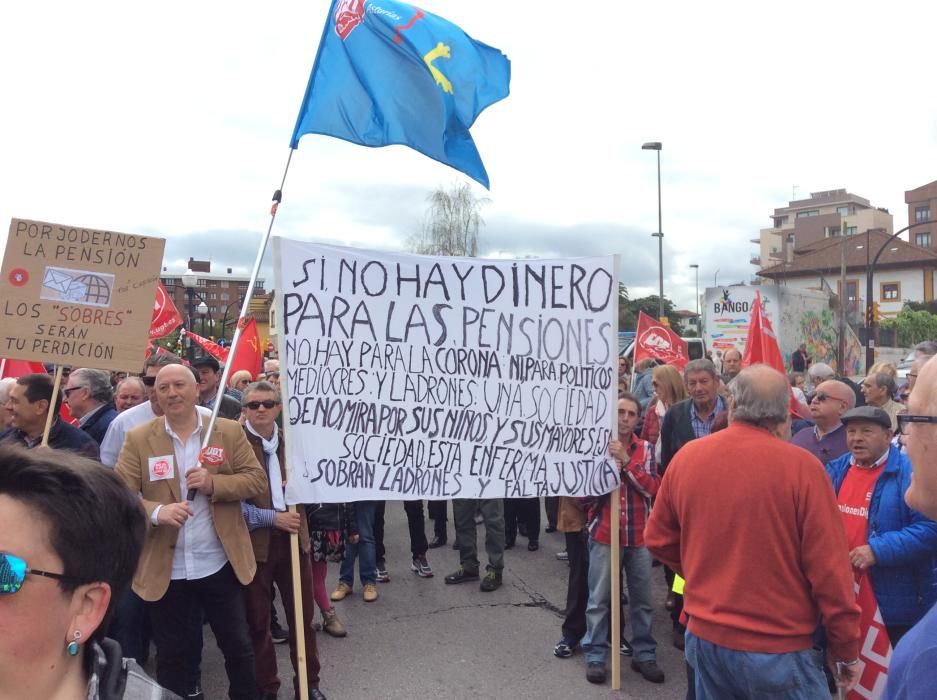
x,y
843,296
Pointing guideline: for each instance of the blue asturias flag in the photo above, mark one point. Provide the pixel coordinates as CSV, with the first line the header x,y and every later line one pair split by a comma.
x,y
390,73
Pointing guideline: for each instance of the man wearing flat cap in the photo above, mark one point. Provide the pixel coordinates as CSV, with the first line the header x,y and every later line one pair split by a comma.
x,y
889,542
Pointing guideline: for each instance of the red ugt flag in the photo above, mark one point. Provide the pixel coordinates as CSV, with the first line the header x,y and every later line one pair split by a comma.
x,y
761,346
166,316
654,340
209,346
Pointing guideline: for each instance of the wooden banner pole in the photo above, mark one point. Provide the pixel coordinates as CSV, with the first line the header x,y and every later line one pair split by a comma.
x,y
298,614
50,416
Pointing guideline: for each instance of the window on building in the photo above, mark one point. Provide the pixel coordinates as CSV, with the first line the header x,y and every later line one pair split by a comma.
x,y
832,231
201,283
891,291
224,296
809,212
790,239
922,213
850,230
923,239
842,211
779,221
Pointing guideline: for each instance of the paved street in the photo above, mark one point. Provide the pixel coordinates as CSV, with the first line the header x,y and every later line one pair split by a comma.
x,y
423,638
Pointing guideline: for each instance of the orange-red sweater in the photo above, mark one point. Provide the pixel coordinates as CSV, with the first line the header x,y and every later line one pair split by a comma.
x,y
751,523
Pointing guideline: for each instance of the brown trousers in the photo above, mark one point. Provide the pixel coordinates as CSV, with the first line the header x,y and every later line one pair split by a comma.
x,y
259,594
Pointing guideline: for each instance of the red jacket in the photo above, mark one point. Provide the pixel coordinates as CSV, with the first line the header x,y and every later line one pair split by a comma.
x,y
639,483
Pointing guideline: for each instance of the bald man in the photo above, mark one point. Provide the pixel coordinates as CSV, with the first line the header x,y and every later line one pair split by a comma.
x,y
826,439
741,636
731,365
198,553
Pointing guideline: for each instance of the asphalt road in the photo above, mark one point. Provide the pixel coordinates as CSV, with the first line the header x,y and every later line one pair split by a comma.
x,y
423,638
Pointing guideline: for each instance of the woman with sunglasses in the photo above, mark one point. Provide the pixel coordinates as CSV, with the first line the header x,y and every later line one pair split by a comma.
x,y
70,537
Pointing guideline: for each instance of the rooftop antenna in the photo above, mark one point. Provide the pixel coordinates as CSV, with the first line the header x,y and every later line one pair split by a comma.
x,y
794,192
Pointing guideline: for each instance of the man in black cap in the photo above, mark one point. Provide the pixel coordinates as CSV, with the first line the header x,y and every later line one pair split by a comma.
x,y
887,539
209,374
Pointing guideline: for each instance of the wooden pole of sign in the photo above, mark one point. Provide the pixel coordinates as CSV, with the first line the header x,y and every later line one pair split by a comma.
x,y
615,602
3,366
298,615
50,416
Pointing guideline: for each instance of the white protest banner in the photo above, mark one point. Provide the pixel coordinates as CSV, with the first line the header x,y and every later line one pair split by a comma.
x,y
409,377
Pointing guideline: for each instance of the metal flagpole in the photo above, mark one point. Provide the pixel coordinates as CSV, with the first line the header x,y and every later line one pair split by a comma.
x,y
294,541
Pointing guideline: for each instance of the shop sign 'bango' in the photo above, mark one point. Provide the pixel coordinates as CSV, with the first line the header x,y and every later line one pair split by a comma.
x,y
77,296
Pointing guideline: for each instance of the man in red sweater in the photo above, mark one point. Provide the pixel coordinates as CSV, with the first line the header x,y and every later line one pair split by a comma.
x,y
752,524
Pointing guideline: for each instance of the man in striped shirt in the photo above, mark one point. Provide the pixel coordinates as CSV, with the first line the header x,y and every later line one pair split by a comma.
x,y
639,483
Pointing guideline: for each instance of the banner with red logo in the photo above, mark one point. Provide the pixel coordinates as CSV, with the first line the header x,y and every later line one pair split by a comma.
x,y
209,346
875,649
166,316
655,340
761,346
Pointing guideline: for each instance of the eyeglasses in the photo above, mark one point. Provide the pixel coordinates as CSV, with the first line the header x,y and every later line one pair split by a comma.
x,y
268,404
70,390
13,572
822,396
904,419
148,381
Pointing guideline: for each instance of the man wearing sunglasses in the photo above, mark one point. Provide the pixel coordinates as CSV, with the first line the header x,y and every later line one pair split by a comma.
x,y
826,439
913,670
88,394
270,525
888,540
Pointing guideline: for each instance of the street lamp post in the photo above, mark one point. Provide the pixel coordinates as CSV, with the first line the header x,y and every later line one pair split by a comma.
x,y
189,280
656,146
695,266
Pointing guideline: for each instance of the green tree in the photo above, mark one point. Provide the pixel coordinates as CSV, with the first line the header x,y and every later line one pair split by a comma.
x,y
452,223
912,326
650,306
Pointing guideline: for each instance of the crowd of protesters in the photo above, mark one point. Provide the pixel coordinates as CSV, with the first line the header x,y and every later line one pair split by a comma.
x,y
719,478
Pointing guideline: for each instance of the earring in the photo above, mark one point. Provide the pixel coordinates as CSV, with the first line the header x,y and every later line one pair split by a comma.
x,y
72,647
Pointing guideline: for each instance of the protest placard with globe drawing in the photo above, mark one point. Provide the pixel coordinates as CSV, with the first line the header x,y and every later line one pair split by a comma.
x,y
77,286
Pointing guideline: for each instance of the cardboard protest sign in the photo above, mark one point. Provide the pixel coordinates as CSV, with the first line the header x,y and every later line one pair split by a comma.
x,y
77,296
410,377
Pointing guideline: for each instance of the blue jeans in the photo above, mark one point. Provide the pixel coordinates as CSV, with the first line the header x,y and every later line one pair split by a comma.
x,y
637,564
723,673
364,551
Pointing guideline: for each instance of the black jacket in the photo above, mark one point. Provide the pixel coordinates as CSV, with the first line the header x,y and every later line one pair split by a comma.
x,y
62,436
96,426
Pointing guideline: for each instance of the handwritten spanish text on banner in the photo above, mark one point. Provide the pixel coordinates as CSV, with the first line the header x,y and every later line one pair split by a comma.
x,y
411,377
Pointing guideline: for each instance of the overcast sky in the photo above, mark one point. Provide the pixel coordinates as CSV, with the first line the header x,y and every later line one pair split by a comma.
x,y
174,120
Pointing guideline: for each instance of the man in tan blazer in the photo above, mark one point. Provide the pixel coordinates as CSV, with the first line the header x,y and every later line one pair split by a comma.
x,y
197,555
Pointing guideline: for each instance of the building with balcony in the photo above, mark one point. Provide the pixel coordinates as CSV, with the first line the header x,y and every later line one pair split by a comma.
x,y
922,208
822,216
904,272
211,301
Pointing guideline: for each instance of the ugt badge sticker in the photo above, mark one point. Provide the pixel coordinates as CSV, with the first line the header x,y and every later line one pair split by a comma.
x,y
161,468
212,455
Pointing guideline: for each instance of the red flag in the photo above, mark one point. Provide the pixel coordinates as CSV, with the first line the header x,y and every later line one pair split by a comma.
x,y
761,346
654,339
248,354
212,348
17,368
165,314
875,650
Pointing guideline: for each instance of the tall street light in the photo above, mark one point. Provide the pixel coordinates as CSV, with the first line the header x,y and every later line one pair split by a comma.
x,y
189,280
656,146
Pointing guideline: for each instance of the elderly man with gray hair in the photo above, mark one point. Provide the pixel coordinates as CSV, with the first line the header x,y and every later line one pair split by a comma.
x,y
826,438
743,639
88,394
878,389
5,416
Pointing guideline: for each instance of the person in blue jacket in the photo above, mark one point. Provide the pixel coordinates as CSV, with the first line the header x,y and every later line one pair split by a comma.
x,y
895,544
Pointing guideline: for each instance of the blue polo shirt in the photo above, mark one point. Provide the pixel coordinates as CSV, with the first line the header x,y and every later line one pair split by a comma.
x,y
827,448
